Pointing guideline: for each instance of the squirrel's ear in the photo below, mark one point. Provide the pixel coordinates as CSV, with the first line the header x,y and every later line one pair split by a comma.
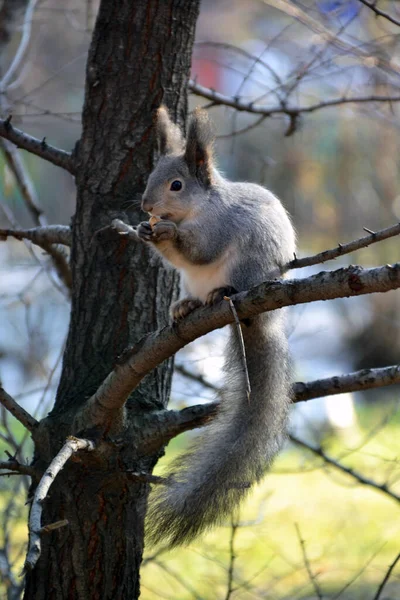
x,y
199,147
169,135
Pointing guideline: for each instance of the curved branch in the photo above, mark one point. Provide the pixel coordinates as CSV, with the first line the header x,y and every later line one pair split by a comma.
x,y
71,446
39,147
151,350
17,411
41,236
282,109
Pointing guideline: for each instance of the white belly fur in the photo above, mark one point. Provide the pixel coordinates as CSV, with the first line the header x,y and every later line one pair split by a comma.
x,y
199,280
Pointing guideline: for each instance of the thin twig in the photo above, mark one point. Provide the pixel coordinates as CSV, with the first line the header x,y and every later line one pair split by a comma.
x,y
53,526
23,45
39,147
17,411
342,249
348,470
71,446
379,12
311,575
242,347
232,556
385,579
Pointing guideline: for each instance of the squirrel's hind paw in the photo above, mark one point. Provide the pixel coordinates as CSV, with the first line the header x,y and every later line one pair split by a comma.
x,y
182,308
218,294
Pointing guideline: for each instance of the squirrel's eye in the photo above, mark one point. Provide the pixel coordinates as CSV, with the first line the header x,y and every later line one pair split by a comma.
x,y
176,185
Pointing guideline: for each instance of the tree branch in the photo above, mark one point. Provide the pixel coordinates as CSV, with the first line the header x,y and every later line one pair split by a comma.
x,y
41,236
13,465
358,381
348,470
151,350
71,446
174,422
39,147
341,249
379,13
386,578
282,109
17,411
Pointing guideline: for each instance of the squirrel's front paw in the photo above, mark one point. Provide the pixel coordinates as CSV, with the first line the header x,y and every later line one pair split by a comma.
x,y
160,231
164,230
182,308
144,231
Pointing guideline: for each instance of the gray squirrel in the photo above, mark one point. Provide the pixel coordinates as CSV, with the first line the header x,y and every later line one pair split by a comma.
x,y
223,237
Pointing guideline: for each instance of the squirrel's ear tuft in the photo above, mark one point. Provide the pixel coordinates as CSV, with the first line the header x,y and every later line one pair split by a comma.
x,y
199,147
169,135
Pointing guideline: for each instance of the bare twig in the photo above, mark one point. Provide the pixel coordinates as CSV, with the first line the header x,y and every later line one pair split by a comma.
x,y
242,347
39,147
54,526
385,579
28,192
348,470
283,109
71,446
136,362
23,45
379,12
41,236
342,249
17,411
232,556
311,575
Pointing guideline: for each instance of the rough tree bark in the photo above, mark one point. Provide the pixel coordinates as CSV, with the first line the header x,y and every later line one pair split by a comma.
x,y
139,58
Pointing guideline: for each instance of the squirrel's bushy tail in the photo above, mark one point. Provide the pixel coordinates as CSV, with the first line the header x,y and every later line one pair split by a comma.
x,y
234,451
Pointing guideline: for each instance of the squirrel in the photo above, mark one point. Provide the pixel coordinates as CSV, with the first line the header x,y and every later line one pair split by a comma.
x,y
223,237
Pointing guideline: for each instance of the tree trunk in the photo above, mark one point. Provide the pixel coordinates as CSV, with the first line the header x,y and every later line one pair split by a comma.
x,y
139,58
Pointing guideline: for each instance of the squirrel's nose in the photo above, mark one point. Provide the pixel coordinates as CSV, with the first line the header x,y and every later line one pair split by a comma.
x,y
147,205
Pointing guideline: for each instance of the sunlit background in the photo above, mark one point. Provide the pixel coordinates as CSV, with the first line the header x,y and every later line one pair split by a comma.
x,y
310,530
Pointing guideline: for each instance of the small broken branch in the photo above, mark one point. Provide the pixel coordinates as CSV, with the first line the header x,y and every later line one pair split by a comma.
x,y
242,347
17,411
342,249
41,148
71,446
41,236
